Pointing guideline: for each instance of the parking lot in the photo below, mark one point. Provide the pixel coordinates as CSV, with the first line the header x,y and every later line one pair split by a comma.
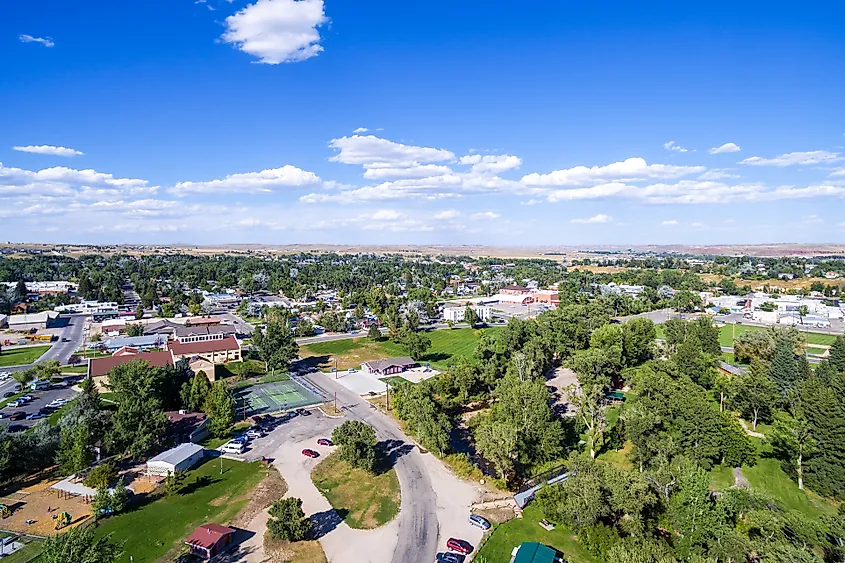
x,y
39,399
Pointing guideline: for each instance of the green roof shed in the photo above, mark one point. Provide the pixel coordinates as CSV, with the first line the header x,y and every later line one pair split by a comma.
x,y
533,552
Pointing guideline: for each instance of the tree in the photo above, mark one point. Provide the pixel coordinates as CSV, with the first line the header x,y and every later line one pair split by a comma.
x,y
276,345
783,369
80,545
101,476
119,497
304,328
497,441
73,359
415,344
638,341
195,392
74,454
373,333
174,481
139,312
20,291
24,376
166,311
590,412
470,316
597,368
793,439
837,354
412,319
755,393
754,344
288,521
101,504
134,329
139,422
220,408
356,442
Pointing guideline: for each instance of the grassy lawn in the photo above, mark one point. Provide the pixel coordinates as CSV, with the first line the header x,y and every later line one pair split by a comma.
x,y
511,534
29,552
75,369
246,368
152,530
352,352
22,356
728,331
212,442
395,380
364,501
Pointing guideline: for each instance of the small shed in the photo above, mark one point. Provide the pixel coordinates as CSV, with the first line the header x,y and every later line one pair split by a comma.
x,y
534,552
180,458
210,539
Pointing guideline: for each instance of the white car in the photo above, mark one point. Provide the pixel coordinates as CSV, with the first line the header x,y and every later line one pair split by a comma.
x,y
233,448
57,403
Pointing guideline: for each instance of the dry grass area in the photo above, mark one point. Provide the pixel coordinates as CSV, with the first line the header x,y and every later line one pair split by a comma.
x,y
757,285
601,269
281,551
268,491
330,410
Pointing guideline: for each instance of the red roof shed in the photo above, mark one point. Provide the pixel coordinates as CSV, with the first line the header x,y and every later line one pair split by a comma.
x,y
210,539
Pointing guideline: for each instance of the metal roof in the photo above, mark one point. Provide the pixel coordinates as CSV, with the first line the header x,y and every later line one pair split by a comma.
x,y
177,455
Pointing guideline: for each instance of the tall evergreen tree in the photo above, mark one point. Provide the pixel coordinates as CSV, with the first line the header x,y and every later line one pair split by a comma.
x,y
837,354
783,369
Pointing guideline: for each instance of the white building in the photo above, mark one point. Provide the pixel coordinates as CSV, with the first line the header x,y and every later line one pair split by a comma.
x,y
456,314
181,458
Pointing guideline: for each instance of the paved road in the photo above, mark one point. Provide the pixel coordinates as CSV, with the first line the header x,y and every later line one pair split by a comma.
x,y
61,351
418,525
241,326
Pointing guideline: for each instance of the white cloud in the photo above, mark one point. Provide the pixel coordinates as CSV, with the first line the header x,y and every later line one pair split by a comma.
x,y
266,181
485,216
448,214
795,158
698,225
531,202
60,181
491,163
837,173
48,149
630,169
277,31
717,174
370,151
386,215
46,41
360,130
727,147
669,223
673,146
419,171
595,219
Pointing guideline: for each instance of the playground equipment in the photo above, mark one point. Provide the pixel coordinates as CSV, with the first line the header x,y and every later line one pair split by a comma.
x,y
63,519
5,511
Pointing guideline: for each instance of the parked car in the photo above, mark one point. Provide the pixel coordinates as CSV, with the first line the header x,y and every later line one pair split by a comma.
x,y
242,439
447,557
15,428
233,448
26,398
16,403
3,415
253,433
48,410
8,394
310,453
479,522
17,415
324,442
303,412
36,416
459,545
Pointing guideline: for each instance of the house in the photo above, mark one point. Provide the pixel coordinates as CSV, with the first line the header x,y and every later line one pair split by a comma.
x,y
38,321
181,458
456,314
534,552
207,352
391,366
99,368
514,290
187,426
210,539
162,326
730,369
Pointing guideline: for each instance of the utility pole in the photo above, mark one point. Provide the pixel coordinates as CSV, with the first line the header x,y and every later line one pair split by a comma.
x,y
387,383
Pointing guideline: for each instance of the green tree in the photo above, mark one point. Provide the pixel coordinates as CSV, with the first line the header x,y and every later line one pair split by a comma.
x,y
74,454
691,510
195,392
276,346
119,498
497,441
754,344
587,402
470,316
173,482
139,422
102,475
755,393
304,328
837,354
24,376
79,545
288,521
134,329
596,367
20,291
783,369
412,319
638,341
356,442
139,312
415,344
373,333
220,408
101,504
793,438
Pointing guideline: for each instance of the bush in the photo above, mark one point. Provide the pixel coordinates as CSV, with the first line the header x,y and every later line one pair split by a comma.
x,y
356,442
598,539
463,466
288,521
101,476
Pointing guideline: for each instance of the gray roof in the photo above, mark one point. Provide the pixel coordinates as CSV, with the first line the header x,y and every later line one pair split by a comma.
x,y
381,365
177,455
136,341
731,369
202,330
161,327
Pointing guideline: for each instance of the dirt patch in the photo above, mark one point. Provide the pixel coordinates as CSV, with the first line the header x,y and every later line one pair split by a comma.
x,y
268,491
280,551
330,410
497,515
38,504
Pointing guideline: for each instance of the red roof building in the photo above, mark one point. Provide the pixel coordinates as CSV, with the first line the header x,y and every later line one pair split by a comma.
x,y
210,539
100,367
217,351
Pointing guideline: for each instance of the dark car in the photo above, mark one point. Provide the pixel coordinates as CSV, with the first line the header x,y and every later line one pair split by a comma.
x,y
447,557
17,415
324,442
310,453
8,394
303,412
461,546
15,428
47,410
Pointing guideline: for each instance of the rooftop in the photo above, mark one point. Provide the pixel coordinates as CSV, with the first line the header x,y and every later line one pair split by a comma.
x,y
205,347
101,366
207,535
381,365
178,454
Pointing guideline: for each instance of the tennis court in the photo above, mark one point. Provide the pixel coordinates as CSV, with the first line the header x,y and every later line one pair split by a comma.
x,y
274,397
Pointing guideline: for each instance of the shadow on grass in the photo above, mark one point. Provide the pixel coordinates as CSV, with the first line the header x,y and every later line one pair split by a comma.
x,y
324,522
197,484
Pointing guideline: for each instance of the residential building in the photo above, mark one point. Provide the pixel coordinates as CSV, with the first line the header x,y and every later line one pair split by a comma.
x,y
185,426
209,540
99,368
456,314
202,333
381,368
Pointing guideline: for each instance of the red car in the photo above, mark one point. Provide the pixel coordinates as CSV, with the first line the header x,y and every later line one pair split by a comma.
x,y
461,546
310,453
324,442
19,415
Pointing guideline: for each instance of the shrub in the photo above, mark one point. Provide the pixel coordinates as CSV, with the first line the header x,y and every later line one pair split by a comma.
x,y
101,476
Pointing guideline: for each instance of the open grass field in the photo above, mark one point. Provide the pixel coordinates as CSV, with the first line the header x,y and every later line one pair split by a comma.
x,y
363,500
352,352
510,534
729,331
21,356
151,530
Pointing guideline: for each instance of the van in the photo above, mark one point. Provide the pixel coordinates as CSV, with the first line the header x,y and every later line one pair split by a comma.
x,y
36,385
233,448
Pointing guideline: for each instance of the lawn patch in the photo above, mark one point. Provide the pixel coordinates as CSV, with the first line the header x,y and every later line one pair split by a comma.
x,y
365,501
21,356
151,530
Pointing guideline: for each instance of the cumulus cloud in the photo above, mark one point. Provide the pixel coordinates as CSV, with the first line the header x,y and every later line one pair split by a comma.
x,y
795,158
717,174
669,223
370,151
837,173
491,163
628,170
48,149
419,171
60,181
595,219
46,41
277,31
674,147
727,147
266,181
485,216
448,214
360,130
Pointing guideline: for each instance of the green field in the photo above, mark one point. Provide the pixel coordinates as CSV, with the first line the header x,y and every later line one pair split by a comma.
x,y
363,500
30,550
511,534
22,356
729,331
151,530
352,352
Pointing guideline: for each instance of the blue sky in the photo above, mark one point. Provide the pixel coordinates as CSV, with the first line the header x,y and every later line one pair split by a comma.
x,y
282,121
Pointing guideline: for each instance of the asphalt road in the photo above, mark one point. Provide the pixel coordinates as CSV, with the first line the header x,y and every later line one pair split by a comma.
x,y
61,351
